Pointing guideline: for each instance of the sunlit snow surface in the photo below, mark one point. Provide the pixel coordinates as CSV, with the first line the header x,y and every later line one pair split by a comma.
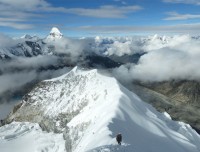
x,y
28,137
111,109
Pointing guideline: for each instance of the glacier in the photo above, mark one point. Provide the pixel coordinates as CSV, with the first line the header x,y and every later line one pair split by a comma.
x,y
89,108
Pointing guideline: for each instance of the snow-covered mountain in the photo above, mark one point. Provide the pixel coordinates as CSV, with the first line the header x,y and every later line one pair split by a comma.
x,y
55,42
24,47
90,108
30,46
54,34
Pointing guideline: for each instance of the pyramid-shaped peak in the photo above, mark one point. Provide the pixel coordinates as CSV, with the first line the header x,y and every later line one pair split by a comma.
x,y
55,33
55,30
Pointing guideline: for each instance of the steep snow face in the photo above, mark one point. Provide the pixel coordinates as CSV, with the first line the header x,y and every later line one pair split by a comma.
x,y
54,34
92,108
23,137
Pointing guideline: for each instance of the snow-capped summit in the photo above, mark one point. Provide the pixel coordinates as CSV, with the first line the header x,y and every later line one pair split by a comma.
x,y
54,34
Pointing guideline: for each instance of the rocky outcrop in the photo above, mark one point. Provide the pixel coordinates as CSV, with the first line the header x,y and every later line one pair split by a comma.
x,y
182,92
181,99
55,102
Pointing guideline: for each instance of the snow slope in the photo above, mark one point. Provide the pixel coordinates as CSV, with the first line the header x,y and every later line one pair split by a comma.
x,y
142,127
97,107
28,137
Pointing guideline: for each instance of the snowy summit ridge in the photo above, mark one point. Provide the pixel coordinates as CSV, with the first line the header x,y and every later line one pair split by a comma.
x,y
91,108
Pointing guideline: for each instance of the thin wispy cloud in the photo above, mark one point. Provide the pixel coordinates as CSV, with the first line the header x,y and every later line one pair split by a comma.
x,y
177,16
18,14
19,26
121,1
179,28
195,2
107,11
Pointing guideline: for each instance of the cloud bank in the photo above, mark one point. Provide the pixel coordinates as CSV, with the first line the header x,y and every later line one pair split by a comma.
x,y
167,58
106,11
177,16
192,28
195,2
178,60
18,13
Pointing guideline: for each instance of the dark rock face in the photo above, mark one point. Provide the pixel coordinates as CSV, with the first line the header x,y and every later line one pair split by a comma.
x,y
181,99
134,58
97,61
36,49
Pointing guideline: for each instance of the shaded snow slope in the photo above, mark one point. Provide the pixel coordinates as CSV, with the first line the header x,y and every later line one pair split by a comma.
x,y
28,137
92,108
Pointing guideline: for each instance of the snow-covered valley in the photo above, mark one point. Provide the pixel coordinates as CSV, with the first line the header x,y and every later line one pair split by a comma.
x,y
86,109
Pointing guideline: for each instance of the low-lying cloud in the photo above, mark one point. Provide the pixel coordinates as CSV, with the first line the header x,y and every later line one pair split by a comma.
x,y
166,58
176,60
6,41
67,46
18,81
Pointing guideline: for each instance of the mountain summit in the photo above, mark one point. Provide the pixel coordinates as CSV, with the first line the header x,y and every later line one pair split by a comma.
x,y
55,34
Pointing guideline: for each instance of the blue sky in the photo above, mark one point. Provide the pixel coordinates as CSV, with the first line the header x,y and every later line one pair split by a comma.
x,y
100,17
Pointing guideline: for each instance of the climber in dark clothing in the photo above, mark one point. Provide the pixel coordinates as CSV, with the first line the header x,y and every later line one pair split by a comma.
x,y
119,138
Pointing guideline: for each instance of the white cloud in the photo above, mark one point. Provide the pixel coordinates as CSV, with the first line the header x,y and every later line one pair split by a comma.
x,y
23,4
17,14
6,41
72,47
168,29
25,11
19,26
195,2
177,16
15,80
179,59
21,71
107,11
116,46
121,1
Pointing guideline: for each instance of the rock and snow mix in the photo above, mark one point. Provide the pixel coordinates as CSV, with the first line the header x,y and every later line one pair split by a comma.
x,y
97,108
55,34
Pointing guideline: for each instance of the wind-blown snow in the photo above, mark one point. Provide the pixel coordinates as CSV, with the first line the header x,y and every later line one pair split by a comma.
x,y
28,137
103,108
